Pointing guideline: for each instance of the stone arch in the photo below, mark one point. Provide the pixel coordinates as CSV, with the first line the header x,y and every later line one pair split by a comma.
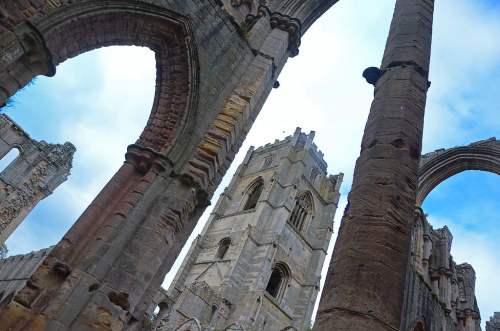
x,y
435,167
163,311
190,325
252,194
278,281
418,325
80,27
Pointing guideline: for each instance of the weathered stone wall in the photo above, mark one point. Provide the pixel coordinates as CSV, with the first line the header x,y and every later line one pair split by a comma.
x,y
213,76
263,236
37,171
494,323
423,306
451,286
16,270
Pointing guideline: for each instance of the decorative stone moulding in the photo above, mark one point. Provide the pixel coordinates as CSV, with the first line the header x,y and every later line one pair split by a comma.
x,y
291,25
279,21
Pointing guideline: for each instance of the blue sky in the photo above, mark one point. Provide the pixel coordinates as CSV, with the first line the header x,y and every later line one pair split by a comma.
x,y
101,100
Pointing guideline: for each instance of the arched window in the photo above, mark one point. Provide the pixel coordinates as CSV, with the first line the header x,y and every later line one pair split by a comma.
x,y
8,158
314,174
223,247
301,211
254,194
278,281
163,310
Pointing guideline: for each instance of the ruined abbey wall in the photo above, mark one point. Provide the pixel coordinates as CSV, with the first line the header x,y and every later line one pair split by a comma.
x,y
216,63
16,270
32,176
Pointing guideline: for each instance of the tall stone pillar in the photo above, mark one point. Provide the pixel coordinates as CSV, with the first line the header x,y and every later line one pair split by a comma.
x,y
364,288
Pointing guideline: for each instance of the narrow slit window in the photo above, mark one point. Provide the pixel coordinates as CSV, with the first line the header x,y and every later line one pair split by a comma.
x,y
223,248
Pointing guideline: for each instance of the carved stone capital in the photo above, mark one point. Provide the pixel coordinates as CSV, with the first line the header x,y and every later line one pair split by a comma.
x,y
279,21
291,25
34,46
145,159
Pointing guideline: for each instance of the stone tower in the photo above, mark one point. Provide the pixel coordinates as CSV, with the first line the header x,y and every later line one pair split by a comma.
x,y
258,260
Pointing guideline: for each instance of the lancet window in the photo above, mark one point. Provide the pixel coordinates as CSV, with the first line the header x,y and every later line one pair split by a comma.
x,y
302,210
223,248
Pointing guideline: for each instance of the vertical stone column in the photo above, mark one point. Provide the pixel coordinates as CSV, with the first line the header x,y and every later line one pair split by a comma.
x,y
364,288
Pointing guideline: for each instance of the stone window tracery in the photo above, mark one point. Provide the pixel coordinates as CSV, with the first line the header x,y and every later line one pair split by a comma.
x,y
314,174
223,248
278,282
254,194
302,210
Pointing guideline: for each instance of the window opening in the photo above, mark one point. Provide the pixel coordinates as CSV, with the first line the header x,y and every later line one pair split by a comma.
x,y
300,211
278,281
223,248
254,196
8,158
314,174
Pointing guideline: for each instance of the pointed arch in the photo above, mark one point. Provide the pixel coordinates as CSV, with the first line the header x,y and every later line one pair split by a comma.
x,y
437,166
252,194
302,211
79,27
278,281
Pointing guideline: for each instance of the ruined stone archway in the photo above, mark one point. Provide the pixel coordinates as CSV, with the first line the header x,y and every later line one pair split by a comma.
x,y
437,166
86,251
80,27
104,272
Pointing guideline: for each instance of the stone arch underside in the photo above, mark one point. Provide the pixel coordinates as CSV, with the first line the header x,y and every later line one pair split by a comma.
x,y
436,167
80,27
101,247
106,270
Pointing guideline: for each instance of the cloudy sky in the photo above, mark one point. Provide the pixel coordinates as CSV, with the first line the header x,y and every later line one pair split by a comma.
x,y
101,100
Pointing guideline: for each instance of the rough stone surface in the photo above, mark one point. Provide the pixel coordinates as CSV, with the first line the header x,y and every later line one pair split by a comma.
x,y
213,76
365,283
494,323
35,173
439,292
16,270
279,229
